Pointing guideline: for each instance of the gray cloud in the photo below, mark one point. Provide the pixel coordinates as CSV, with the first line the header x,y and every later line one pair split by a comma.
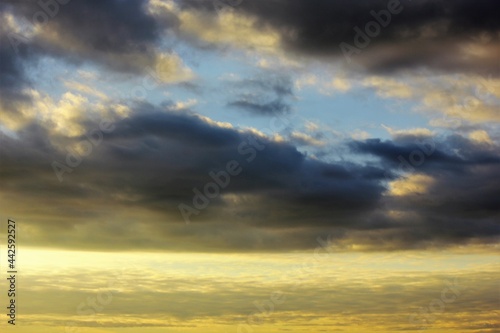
x,y
266,94
273,108
116,35
462,202
445,35
97,30
13,78
152,161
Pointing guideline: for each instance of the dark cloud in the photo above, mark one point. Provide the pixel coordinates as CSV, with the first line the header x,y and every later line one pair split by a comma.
x,y
151,139
454,153
280,84
153,160
111,32
423,33
276,107
265,95
14,53
119,35
462,202
456,36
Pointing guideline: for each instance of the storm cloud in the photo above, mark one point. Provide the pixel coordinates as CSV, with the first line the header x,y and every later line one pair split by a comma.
x,y
449,36
153,160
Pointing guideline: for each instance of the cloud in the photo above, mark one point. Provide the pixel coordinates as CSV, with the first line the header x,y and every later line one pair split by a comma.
x,y
280,84
451,101
388,88
306,139
117,31
481,137
276,107
226,29
83,88
14,60
447,199
266,94
414,184
306,80
154,159
224,290
121,37
413,133
133,182
206,28
341,84
443,35
116,36
393,194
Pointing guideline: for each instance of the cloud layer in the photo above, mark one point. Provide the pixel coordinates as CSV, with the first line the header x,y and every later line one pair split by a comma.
x,y
157,159
159,163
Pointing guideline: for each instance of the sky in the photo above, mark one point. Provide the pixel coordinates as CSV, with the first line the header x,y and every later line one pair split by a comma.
x,y
344,155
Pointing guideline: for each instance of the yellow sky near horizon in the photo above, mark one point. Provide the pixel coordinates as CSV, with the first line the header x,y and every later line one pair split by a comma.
x,y
94,292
